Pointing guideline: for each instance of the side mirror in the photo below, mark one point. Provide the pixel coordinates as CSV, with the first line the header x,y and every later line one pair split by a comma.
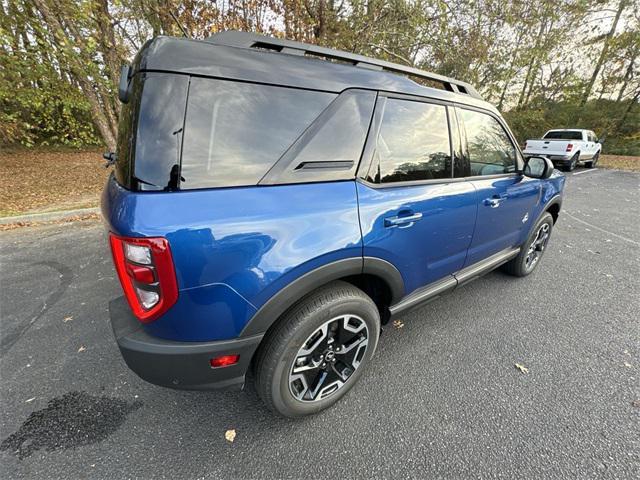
x,y
123,87
601,141
538,167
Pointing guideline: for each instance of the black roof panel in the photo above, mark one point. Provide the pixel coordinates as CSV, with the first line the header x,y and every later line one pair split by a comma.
x,y
286,67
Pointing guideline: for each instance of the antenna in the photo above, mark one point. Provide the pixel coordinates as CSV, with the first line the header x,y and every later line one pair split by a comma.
x,y
182,29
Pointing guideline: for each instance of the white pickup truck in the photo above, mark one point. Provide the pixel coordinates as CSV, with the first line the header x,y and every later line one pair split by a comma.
x,y
566,148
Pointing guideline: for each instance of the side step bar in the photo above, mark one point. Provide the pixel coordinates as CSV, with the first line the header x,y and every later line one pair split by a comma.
x,y
436,289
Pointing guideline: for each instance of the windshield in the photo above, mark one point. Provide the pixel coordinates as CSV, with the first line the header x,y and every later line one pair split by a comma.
x,y
564,135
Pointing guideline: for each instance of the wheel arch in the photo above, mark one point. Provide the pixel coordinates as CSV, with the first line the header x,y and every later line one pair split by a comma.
x,y
376,277
553,207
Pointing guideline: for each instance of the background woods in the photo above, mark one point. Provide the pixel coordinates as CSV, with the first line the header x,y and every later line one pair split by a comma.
x,y
544,63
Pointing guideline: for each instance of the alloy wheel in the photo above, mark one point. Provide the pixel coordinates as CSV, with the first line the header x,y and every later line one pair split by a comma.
x,y
537,246
328,358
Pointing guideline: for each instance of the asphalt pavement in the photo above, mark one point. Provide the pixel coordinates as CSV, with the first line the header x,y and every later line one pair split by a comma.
x,y
443,397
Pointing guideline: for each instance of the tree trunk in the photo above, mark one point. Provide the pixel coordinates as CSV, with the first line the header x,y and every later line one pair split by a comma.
x,y
630,105
532,64
627,76
603,54
103,116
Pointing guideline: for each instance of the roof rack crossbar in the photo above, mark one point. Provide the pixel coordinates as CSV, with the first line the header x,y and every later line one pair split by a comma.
x,y
251,40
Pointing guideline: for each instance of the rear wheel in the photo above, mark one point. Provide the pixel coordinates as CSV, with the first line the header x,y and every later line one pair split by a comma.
x,y
533,249
573,163
317,351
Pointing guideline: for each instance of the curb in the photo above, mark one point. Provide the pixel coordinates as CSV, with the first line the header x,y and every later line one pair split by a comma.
x,y
47,216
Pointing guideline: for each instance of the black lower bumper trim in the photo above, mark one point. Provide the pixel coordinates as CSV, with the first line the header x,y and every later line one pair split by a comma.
x,y
183,365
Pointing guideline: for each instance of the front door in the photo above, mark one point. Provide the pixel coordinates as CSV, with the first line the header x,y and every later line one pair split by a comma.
x,y
412,212
506,199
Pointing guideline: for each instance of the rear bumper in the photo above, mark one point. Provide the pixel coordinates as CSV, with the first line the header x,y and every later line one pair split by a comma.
x,y
555,159
564,160
183,365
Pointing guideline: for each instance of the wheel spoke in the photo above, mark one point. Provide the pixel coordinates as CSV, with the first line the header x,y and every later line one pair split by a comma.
x,y
328,358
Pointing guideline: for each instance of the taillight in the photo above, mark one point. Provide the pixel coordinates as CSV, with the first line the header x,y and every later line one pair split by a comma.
x,y
146,272
569,147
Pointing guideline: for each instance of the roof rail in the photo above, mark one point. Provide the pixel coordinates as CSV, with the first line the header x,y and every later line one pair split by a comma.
x,y
234,38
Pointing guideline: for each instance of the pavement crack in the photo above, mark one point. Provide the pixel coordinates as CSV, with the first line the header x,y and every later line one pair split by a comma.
x,y
66,277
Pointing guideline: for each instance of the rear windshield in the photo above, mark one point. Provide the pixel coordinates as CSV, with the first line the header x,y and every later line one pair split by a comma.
x,y
150,131
564,135
235,132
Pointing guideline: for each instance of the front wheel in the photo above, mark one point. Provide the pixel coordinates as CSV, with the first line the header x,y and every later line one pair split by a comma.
x,y
593,162
318,350
533,249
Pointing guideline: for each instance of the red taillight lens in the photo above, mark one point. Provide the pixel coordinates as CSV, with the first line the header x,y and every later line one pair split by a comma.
x,y
140,274
146,272
569,147
224,361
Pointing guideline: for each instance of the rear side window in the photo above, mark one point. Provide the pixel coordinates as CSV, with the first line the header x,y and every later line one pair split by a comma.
x,y
413,143
235,132
489,148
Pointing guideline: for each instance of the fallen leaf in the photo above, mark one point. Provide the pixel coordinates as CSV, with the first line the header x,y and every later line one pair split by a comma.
x,y
230,435
636,403
627,364
522,368
30,400
67,319
398,324
82,348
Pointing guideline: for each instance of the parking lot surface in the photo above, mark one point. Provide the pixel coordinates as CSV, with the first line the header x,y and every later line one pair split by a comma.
x,y
443,397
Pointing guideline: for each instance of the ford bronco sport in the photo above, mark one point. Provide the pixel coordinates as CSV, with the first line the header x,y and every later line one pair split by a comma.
x,y
273,203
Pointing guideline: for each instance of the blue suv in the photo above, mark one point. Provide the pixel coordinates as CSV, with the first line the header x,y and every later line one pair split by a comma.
x,y
274,203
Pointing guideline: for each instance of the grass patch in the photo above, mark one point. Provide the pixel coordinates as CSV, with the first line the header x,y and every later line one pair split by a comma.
x,y
36,181
621,162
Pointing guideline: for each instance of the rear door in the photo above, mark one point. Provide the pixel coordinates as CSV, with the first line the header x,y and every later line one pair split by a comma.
x,y
412,212
505,198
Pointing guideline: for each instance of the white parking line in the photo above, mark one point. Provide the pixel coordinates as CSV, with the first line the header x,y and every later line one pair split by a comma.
x,y
586,171
602,229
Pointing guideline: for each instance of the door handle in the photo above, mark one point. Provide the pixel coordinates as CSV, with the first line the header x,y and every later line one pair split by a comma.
x,y
494,202
406,220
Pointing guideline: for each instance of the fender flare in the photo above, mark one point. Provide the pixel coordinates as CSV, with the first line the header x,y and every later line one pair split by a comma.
x,y
555,200
279,303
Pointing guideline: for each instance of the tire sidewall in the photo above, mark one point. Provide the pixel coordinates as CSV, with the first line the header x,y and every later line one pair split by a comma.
x,y
281,395
574,162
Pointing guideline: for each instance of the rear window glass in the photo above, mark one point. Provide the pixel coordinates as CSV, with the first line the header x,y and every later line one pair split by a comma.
x,y
413,143
235,132
160,120
564,135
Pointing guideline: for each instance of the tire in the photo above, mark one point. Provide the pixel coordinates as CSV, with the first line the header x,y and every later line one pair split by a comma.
x,y
593,162
303,334
525,263
573,163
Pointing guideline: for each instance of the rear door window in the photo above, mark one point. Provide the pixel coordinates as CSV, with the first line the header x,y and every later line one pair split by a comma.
x,y
413,143
235,132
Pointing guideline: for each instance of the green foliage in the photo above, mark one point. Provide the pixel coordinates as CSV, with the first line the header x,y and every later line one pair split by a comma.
x,y
60,59
47,113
